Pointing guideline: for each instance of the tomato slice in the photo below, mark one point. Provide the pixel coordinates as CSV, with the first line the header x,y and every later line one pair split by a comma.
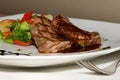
x,y
21,43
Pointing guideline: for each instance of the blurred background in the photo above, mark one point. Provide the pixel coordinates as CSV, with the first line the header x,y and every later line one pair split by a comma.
x,y
102,10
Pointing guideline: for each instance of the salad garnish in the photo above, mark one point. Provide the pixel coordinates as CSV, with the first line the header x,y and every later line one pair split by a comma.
x,y
19,32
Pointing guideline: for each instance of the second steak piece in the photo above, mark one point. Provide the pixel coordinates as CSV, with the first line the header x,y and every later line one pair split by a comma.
x,y
84,38
47,41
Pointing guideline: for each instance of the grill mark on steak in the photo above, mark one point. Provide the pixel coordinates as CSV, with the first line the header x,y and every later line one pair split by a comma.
x,y
46,39
60,35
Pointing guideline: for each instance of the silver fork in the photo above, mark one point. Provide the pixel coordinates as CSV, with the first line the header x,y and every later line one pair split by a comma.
x,y
111,69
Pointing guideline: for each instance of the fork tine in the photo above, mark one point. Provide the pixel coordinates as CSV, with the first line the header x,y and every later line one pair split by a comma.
x,y
107,70
98,70
86,65
113,67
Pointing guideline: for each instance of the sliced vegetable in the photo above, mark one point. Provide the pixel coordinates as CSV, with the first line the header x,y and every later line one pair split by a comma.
x,y
27,16
17,31
24,26
17,25
21,35
49,16
34,15
29,21
6,34
21,43
29,35
8,40
1,35
11,26
5,23
21,31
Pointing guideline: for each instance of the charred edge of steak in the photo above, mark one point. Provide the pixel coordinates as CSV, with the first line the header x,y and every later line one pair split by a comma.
x,y
77,48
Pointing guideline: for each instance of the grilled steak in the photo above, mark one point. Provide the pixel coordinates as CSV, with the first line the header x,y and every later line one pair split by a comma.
x,y
46,39
60,35
63,26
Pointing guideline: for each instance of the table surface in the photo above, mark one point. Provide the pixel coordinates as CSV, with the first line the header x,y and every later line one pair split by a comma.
x,y
61,72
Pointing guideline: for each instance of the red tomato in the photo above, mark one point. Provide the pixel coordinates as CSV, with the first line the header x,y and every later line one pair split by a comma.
x,y
21,43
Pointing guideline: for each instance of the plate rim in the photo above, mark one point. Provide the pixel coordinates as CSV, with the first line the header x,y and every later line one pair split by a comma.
x,y
66,55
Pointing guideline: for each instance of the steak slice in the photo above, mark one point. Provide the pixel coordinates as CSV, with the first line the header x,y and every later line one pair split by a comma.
x,y
47,41
63,26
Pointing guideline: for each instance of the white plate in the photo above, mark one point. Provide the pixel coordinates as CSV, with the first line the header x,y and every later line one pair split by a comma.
x,y
107,30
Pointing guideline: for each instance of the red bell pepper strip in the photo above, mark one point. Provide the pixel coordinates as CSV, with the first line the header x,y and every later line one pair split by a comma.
x,y
21,43
27,16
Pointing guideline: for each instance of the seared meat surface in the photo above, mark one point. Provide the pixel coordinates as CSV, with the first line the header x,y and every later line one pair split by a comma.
x,y
46,39
84,38
60,35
